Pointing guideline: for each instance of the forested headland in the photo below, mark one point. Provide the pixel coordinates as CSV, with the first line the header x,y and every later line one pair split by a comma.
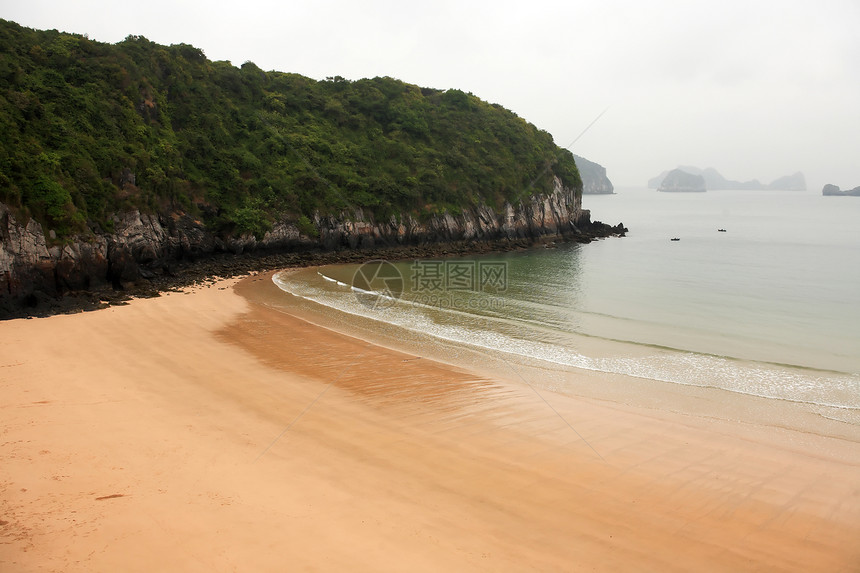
x,y
92,129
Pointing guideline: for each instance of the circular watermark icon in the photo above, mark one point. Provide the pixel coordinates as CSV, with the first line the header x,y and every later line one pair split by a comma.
x,y
377,284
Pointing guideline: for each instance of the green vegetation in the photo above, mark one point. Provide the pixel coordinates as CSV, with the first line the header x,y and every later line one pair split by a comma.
x,y
89,129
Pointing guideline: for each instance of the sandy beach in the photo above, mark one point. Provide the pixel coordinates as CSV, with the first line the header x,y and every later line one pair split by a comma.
x,y
205,431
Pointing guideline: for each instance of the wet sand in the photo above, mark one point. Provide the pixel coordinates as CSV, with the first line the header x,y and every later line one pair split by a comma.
x,y
206,431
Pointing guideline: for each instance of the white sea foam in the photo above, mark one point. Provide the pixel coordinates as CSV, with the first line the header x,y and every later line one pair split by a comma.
x,y
332,280
688,368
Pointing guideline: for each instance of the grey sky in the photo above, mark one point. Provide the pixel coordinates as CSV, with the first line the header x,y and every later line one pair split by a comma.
x,y
756,89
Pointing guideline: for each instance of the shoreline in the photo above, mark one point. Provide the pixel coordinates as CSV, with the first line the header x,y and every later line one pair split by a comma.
x,y
171,275
574,381
206,430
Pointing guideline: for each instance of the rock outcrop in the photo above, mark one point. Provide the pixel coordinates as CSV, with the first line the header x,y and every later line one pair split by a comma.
x,y
834,190
144,246
594,179
679,181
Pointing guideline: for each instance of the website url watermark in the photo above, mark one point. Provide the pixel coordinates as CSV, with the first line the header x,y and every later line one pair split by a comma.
x,y
459,284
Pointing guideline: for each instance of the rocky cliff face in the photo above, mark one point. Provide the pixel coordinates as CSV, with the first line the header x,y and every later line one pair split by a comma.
x,y
556,214
143,245
594,179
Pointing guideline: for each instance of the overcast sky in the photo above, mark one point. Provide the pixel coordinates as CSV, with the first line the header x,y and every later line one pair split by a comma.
x,y
756,89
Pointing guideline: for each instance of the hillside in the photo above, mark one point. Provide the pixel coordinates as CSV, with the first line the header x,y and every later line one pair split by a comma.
x,y
93,129
135,166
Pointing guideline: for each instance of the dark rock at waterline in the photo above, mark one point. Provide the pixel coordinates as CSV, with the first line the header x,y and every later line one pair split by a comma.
x,y
148,253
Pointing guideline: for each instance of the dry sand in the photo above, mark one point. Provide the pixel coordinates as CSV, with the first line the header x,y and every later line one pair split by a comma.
x,y
207,432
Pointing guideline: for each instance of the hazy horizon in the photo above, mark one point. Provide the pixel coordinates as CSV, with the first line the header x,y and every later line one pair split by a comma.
x,y
755,90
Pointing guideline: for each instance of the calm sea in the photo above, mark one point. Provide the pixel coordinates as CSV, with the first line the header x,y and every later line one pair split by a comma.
x,y
770,306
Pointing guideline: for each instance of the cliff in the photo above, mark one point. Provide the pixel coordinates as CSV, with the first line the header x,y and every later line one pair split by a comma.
x,y
122,161
834,190
594,179
715,181
683,182
143,247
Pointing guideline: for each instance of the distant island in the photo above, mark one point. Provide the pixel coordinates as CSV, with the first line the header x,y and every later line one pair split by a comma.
x,y
679,181
594,179
715,181
834,190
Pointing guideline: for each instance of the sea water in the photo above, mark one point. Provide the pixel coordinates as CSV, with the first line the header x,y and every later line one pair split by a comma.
x,y
758,296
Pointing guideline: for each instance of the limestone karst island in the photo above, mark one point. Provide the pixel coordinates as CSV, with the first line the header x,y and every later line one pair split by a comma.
x,y
687,178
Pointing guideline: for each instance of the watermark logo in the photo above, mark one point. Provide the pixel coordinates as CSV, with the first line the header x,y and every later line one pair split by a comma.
x,y
380,284
377,284
437,276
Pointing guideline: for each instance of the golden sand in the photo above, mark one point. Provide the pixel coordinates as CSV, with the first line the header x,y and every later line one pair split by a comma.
x,y
208,432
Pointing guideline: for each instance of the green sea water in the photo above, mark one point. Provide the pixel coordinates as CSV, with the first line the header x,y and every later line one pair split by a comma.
x,y
768,307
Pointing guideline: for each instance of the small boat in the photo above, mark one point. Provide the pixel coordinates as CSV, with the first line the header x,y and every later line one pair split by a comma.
x,y
675,239
721,230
